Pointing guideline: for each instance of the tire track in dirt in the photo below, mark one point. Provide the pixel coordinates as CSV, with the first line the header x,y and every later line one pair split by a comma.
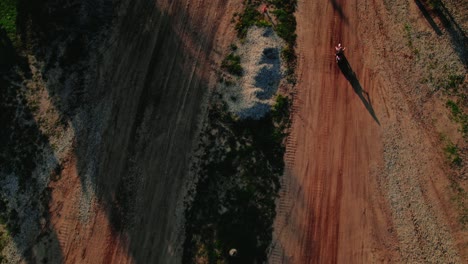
x,y
322,208
322,185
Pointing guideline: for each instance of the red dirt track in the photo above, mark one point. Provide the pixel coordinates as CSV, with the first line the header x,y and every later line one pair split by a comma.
x,y
365,178
330,210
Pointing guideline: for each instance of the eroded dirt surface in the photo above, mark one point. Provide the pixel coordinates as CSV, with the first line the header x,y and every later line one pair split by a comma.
x,y
366,180
120,198
353,191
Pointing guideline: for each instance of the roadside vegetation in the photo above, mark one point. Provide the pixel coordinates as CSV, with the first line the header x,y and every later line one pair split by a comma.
x,y
453,154
455,89
251,16
7,33
445,80
8,17
240,162
284,23
232,64
234,202
459,116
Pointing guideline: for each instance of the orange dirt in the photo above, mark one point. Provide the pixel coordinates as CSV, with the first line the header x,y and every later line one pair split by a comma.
x,y
159,63
340,202
81,240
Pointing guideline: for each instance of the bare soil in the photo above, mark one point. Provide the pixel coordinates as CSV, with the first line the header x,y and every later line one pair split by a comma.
x,y
365,179
120,195
366,176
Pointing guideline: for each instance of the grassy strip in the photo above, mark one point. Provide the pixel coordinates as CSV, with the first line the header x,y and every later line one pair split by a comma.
x,y
455,86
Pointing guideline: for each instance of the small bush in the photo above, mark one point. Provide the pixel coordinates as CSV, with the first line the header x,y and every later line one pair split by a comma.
x,y
233,47
8,16
286,27
452,154
263,23
408,30
458,116
454,108
247,19
453,81
280,109
288,5
232,64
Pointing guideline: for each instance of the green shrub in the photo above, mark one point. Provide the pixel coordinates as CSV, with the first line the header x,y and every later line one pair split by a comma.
x,y
408,30
452,154
233,47
281,108
288,5
232,64
288,53
8,17
453,81
250,17
458,116
286,27
433,4
263,23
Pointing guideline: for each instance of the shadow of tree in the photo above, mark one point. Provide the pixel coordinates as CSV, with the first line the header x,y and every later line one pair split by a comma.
x,y
267,79
26,162
428,17
457,34
136,115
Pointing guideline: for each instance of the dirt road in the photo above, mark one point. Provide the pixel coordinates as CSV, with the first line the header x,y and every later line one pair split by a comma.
x,y
332,208
131,163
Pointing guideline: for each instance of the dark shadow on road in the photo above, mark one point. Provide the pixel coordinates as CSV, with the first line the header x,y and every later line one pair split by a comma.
x,y
337,8
348,72
428,17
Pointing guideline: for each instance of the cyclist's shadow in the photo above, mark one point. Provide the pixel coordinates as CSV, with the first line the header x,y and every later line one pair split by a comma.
x,y
348,72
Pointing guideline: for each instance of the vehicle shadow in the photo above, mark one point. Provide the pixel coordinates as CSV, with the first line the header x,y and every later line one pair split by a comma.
x,y
348,72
